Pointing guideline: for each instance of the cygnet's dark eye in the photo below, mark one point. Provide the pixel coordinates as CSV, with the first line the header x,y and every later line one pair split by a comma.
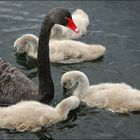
x,y
15,48
64,84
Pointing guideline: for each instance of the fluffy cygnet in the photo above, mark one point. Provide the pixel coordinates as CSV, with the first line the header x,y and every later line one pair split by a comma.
x,y
32,115
116,97
81,20
61,51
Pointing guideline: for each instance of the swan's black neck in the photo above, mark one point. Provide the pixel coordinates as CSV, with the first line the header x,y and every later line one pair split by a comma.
x,y
46,87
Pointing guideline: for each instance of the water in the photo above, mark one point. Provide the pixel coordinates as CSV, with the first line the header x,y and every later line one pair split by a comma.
x,y
114,24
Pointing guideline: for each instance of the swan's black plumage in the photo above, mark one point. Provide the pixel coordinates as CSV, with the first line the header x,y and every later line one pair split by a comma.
x,y
15,86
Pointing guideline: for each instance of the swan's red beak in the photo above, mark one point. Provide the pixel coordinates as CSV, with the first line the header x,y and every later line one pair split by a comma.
x,y
72,26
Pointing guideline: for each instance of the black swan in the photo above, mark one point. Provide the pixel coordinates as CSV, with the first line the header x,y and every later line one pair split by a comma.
x,y
15,86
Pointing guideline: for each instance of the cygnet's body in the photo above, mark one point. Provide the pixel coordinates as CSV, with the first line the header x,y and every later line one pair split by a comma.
x,y
117,97
61,51
81,20
32,115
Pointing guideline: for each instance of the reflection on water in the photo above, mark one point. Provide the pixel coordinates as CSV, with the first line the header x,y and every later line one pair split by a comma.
x,y
114,24
27,63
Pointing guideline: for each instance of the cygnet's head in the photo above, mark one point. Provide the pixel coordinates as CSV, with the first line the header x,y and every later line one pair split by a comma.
x,y
20,46
22,43
69,79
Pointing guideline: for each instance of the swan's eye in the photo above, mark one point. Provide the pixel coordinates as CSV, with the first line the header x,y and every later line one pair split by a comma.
x,y
63,21
66,18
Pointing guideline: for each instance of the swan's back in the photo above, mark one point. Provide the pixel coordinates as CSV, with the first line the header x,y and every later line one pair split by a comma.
x,y
14,85
26,115
32,115
27,108
118,97
67,45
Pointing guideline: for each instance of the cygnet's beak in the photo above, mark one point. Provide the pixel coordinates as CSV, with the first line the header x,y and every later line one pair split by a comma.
x,y
15,49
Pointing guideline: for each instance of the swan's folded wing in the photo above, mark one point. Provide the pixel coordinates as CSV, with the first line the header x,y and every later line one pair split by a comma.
x,y
14,85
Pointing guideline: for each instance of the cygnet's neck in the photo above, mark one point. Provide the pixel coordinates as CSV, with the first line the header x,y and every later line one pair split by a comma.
x,y
83,84
62,110
64,107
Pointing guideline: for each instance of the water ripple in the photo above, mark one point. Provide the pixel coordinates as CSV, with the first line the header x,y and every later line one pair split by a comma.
x,y
13,29
16,5
115,35
5,9
2,2
24,12
100,32
6,16
19,18
133,66
97,32
133,50
110,70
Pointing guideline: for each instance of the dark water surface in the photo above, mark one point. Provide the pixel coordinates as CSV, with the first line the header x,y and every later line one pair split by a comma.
x,y
115,25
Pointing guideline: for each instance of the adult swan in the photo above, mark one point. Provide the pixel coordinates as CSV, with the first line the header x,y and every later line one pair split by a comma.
x,y
15,86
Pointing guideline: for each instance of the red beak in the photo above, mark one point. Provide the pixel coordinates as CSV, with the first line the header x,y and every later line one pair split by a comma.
x,y
72,26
